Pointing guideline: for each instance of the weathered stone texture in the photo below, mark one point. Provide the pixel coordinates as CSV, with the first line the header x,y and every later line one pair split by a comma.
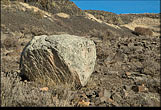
x,y
59,59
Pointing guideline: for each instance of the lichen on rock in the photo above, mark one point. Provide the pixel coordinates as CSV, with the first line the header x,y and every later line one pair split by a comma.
x,y
59,59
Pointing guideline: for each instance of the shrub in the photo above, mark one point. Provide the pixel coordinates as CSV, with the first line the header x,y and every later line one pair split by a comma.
x,y
38,31
38,14
16,93
53,4
10,42
143,31
5,2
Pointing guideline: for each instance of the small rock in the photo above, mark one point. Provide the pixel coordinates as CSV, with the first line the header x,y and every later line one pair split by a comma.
x,y
82,103
89,94
128,73
102,105
25,81
128,88
23,44
107,93
135,88
84,95
112,102
126,94
117,97
44,89
9,53
142,88
63,15
91,104
97,102
101,93
103,99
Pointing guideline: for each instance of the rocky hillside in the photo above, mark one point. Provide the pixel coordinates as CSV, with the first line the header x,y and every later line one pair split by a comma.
x,y
127,69
55,6
108,17
130,17
116,19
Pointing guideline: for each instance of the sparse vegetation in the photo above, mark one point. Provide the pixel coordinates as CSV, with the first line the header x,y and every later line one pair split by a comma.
x,y
127,18
53,6
38,14
10,42
16,93
108,17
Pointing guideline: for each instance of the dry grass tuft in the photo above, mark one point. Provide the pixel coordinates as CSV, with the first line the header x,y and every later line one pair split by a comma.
x,y
16,93
10,42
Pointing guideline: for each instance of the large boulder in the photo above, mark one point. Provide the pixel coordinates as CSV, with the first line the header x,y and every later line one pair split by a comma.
x,y
59,59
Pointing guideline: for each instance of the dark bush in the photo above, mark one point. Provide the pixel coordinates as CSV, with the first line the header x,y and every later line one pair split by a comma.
x,y
143,31
10,42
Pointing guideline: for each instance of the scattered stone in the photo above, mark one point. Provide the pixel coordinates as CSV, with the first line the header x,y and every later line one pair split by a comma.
x,y
107,94
23,44
102,104
63,15
128,73
82,103
89,94
116,97
44,89
91,104
25,81
135,88
103,99
84,95
59,59
128,88
101,93
97,102
126,94
112,102
142,88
